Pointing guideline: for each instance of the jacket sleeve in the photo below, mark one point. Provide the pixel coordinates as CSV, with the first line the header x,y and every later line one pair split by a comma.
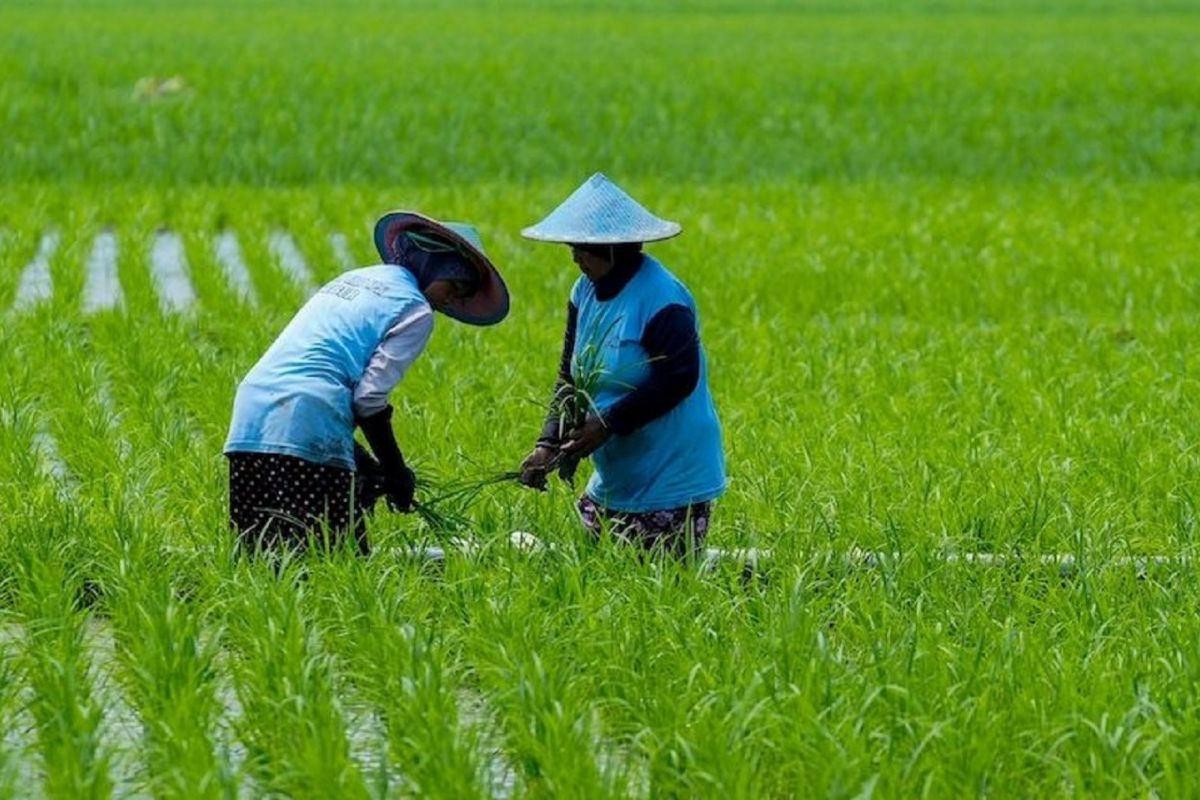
x,y
401,346
671,341
552,431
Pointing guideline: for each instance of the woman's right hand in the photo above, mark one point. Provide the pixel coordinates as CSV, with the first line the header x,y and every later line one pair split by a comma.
x,y
399,487
536,465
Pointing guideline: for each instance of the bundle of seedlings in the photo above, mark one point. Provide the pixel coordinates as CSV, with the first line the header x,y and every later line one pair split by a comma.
x,y
445,503
575,399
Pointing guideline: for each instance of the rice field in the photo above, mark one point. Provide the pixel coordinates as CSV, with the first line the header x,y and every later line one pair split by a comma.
x,y
946,261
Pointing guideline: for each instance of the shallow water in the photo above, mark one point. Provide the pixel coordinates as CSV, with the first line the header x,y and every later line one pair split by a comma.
x,y
229,255
102,289
341,251
169,267
284,248
36,284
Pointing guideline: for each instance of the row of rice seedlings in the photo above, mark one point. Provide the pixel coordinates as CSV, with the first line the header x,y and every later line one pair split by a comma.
x,y
292,725
698,718
34,484
681,711
167,651
11,684
154,386
80,538
29,497
383,624
18,246
162,657
84,422
75,753
549,720
276,289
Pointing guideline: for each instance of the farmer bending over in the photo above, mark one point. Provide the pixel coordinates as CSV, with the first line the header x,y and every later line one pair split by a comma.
x,y
632,390
294,467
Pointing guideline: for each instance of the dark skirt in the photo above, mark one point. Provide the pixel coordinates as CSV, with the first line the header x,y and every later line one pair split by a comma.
x,y
675,531
278,501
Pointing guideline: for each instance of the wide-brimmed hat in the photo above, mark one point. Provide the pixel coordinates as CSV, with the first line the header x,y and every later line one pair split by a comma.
x,y
600,212
489,304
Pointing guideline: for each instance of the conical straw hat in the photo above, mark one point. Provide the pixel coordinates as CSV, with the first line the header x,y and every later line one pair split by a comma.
x,y
600,212
489,304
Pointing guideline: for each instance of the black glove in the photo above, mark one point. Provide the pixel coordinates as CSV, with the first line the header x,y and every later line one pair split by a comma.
x,y
399,488
398,482
368,478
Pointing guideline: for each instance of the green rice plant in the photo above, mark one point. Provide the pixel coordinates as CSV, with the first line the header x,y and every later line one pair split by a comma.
x,y
163,419
67,714
17,249
549,719
444,504
292,724
168,664
10,688
279,296
399,660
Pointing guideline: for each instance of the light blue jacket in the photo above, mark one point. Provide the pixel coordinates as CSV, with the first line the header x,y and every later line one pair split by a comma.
x,y
298,399
674,460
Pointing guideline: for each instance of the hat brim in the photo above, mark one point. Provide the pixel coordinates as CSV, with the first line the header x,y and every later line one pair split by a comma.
x,y
667,231
488,305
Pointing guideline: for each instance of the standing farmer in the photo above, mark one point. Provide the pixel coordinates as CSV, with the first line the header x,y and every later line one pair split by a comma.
x,y
294,467
632,388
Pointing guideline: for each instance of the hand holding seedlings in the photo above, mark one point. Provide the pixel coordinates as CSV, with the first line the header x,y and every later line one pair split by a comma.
x,y
536,466
399,487
585,439
582,441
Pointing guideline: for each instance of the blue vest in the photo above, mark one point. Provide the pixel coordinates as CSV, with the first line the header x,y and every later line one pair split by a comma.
x,y
297,400
678,458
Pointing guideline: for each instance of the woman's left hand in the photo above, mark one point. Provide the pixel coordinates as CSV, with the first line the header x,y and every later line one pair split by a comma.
x,y
586,439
